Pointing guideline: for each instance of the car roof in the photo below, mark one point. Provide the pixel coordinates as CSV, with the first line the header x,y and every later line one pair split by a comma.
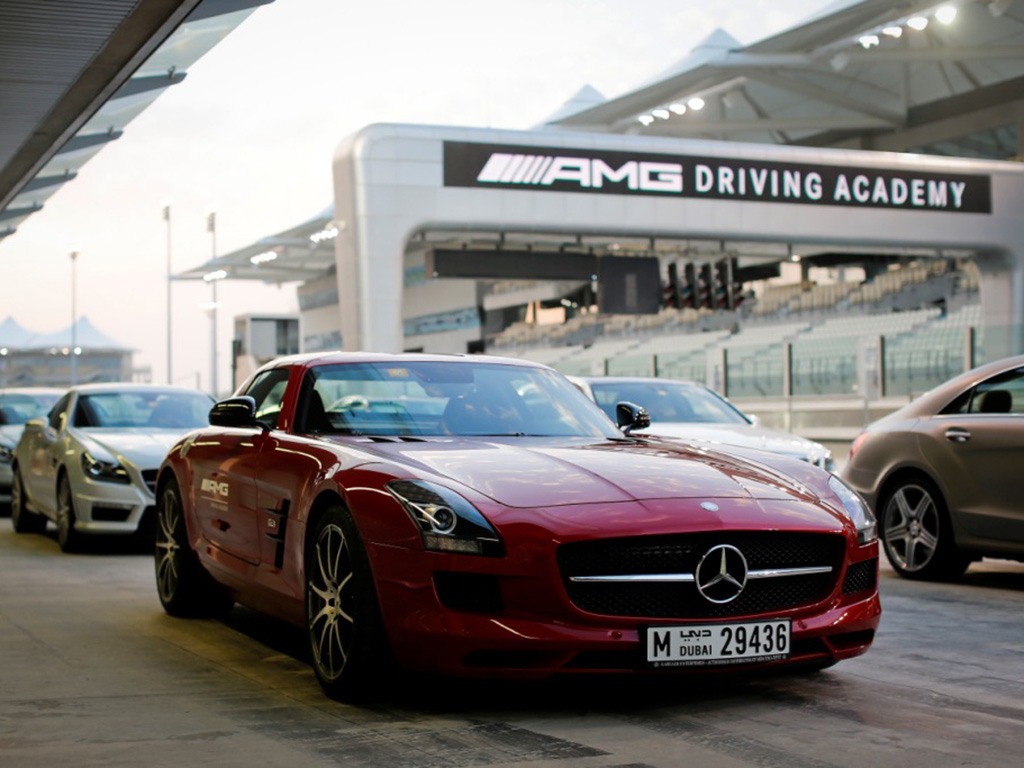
x,y
33,391
312,359
114,387
944,393
634,380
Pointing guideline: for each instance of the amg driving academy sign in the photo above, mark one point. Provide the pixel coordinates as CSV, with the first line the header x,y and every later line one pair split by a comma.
x,y
598,171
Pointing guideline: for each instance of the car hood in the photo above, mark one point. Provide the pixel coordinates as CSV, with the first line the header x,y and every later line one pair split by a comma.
x,y
749,436
545,473
143,447
10,434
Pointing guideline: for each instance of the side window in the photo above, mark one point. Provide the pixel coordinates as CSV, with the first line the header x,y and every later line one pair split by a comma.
x,y
1000,394
268,391
55,418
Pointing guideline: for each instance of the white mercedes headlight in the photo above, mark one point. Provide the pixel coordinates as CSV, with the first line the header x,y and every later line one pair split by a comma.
x,y
855,507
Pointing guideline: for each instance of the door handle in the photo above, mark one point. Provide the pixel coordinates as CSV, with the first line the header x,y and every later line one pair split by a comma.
x,y
957,435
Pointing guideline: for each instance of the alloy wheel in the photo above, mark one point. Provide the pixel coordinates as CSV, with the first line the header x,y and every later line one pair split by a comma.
x,y
911,527
329,594
167,547
65,530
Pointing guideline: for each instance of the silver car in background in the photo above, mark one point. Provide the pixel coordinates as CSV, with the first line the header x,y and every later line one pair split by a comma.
x,y
945,474
18,405
90,466
692,411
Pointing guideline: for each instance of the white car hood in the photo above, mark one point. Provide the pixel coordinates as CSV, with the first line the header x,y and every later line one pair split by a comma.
x,y
743,436
143,446
10,434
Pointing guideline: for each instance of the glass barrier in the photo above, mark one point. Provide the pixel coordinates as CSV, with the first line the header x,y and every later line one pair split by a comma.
x,y
754,371
824,367
688,366
630,365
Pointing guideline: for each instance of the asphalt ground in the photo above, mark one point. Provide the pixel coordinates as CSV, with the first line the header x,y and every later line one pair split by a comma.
x,y
93,673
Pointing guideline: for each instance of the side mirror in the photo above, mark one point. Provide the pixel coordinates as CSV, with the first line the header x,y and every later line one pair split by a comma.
x,y
630,416
234,412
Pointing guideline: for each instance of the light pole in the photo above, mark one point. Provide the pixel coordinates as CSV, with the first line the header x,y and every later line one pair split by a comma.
x,y
212,278
74,316
167,218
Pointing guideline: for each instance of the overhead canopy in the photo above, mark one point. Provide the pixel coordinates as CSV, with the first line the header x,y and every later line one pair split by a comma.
x,y
872,74
75,72
300,253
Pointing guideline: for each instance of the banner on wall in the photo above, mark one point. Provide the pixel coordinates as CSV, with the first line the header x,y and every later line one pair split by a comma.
x,y
636,173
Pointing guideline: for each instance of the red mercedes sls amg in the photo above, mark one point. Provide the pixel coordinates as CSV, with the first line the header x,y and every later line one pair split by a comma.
x,y
479,516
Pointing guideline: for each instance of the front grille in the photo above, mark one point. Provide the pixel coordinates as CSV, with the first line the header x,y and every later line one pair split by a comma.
x,y
860,577
680,553
149,478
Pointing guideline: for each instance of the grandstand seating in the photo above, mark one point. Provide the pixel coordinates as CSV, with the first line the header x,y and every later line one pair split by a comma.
x,y
827,344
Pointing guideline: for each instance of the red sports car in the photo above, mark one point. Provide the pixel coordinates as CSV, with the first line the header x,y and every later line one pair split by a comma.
x,y
479,516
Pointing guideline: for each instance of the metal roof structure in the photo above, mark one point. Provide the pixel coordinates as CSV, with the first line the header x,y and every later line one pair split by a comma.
x,y
935,77
300,253
74,73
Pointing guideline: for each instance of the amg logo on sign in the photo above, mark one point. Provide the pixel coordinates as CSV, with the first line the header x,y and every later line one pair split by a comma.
x,y
635,173
541,170
212,486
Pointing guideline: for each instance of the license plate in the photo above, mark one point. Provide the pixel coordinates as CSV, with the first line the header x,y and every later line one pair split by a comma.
x,y
717,644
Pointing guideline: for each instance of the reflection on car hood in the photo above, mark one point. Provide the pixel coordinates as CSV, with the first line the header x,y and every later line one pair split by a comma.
x,y
547,473
749,436
144,447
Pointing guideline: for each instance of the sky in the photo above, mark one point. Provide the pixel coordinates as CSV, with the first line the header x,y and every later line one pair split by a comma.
x,y
252,130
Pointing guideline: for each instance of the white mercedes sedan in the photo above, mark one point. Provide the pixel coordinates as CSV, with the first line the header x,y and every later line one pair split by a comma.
x,y
90,465
690,411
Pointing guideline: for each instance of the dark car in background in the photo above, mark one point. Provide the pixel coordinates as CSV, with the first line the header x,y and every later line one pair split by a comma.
x,y
945,474
17,406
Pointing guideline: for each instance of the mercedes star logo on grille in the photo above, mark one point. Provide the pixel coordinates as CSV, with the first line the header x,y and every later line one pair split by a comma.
x,y
722,574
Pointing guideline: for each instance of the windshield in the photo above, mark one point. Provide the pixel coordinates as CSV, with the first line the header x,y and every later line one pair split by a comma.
x,y
153,409
19,408
446,398
668,401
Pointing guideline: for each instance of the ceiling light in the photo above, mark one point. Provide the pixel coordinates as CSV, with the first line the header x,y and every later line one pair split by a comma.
x,y
218,274
868,41
263,258
327,233
679,109
661,113
946,14
646,119
917,22
893,31
696,103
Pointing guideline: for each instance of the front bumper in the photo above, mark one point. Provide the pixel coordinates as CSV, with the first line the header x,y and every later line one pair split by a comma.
x,y
111,508
534,631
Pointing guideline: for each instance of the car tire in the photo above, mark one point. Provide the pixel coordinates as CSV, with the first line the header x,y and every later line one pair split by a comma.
x,y
23,519
917,534
347,642
68,538
185,588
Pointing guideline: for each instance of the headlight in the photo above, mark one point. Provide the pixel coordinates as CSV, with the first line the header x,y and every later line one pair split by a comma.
x,y
6,455
447,522
858,511
104,471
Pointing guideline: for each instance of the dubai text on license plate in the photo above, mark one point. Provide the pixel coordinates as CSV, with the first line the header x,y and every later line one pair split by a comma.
x,y
717,644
